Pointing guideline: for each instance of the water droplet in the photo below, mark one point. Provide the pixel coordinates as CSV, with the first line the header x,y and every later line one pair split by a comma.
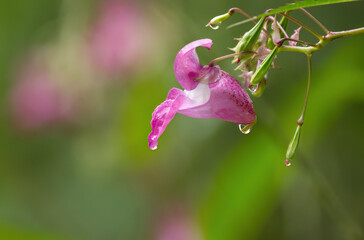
x,y
154,148
253,88
287,163
214,26
244,128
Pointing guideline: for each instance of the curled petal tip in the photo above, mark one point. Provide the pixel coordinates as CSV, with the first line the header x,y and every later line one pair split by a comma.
x,y
206,42
187,64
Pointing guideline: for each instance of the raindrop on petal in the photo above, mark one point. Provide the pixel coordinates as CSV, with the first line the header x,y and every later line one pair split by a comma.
x,y
246,128
154,148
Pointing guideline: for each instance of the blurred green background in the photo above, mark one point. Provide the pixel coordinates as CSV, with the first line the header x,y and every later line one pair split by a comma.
x,y
79,82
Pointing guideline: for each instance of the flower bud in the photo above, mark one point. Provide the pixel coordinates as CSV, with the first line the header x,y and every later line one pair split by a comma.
x,y
292,147
216,21
249,39
263,67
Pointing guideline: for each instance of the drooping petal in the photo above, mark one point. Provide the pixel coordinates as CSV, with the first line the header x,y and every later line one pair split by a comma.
x,y
163,114
228,101
262,53
295,36
276,36
263,37
187,65
247,76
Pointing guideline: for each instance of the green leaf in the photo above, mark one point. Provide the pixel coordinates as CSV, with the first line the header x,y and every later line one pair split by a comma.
x,y
292,6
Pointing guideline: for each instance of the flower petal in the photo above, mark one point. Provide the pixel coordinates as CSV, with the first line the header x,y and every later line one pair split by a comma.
x,y
276,36
163,114
187,65
295,36
196,97
228,101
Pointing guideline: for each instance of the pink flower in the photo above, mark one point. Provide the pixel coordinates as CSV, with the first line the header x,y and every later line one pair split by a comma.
x,y
36,100
118,37
209,93
177,224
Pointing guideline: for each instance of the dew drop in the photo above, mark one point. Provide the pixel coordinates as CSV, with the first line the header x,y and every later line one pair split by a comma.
x,y
214,26
253,88
287,163
245,128
154,148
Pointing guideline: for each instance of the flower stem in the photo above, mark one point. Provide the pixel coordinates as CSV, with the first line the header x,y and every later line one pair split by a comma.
x,y
300,120
296,40
282,29
305,50
315,20
232,10
325,40
335,35
211,64
302,25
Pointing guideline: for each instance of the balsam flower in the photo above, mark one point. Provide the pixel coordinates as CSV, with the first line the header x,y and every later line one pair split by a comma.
x,y
209,93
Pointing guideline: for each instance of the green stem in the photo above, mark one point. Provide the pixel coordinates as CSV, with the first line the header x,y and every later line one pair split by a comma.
x,y
295,40
305,50
211,64
302,25
325,40
232,10
300,120
335,35
315,20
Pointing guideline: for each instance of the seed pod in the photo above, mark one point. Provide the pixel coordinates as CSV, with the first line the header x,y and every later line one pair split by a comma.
x,y
263,67
292,147
249,39
216,21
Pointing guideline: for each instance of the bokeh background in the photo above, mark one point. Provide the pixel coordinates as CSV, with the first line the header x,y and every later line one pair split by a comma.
x,y
78,83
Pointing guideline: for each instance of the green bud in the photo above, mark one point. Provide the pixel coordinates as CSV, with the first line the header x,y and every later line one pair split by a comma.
x,y
292,147
216,21
263,67
249,39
